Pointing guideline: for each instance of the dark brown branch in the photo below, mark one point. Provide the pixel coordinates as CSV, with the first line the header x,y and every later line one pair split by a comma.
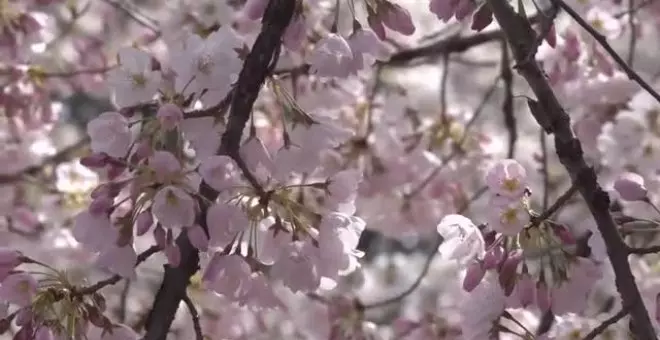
x,y
602,41
507,105
644,251
551,115
258,64
607,323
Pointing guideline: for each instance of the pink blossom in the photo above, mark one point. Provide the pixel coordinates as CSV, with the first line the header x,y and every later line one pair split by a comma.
x,y
164,165
342,189
133,81
332,57
9,259
173,207
506,217
296,268
507,178
198,237
109,134
169,116
224,222
220,172
462,239
94,232
119,260
18,289
227,275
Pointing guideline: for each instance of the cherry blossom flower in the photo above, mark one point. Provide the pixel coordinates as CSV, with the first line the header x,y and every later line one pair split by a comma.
x,y
110,134
133,81
462,239
19,289
332,57
507,178
174,208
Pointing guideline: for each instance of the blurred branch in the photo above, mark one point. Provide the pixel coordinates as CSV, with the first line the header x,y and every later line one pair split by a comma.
x,y
602,41
59,157
603,326
551,115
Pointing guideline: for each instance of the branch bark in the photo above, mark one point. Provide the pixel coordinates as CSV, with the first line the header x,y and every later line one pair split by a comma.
x,y
554,119
258,64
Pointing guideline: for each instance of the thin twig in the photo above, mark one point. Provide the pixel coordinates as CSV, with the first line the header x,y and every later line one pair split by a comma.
x,y
143,256
603,42
195,317
607,323
427,264
644,251
123,301
632,41
544,171
507,104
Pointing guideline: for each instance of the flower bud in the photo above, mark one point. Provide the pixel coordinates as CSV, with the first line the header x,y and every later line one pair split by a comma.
x,y
473,276
543,296
507,276
143,222
525,290
630,187
493,257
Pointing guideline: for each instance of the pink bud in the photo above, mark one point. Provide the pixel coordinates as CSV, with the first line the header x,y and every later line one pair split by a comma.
x,y
525,290
551,37
143,222
543,296
508,270
564,234
160,235
493,257
9,259
398,19
482,18
465,8
115,170
169,116
572,47
473,276
101,205
173,255
630,187
94,161
376,25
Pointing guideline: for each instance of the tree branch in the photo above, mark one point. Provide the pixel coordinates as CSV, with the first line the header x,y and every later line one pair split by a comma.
x,y
258,64
551,115
609,322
